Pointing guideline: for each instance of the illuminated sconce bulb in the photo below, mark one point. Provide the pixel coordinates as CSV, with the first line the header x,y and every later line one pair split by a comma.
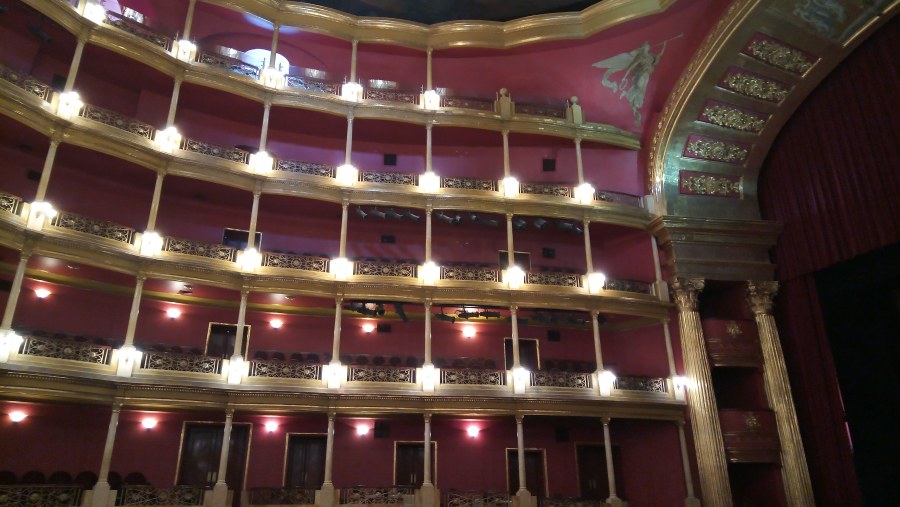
x,y
595,282
271,426
352,91
148,422
346,175
185,50
430,100
173,313
681,382
472,431
469,331
95,12
41,293
584,193
167,140
429,182
368,328
261,162
151,243
430,273
362,430
17,416
275,323
341,268
249,260
514,277
510,187
40,213
70,105
272,78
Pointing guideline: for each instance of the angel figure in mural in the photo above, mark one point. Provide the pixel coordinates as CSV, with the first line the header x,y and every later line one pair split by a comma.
x,y
637,66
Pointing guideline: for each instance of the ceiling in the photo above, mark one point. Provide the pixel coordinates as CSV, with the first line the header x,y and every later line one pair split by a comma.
x,y
439,11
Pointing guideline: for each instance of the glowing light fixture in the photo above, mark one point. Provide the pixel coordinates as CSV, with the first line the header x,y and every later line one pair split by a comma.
x,y
173,313
469,331
429,182
272,78
41,293
17,416
514,277
9,343
341,268
346,175
332,374
509,186
472,431
148,423
595,282
95,12
352,91
167,140
151,244
249,260
271,426
430,100
362,430
70,105
584,193
429,378
368,327
430,273
681,382
261,162
39,213
235,369
521,377
606,380
276,324
185,50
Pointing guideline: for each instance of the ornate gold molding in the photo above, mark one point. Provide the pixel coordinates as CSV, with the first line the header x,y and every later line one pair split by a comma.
x,y
685,292
760,296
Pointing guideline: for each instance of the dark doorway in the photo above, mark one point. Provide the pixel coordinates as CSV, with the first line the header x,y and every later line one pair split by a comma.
x,y
305,461
522,259
409,463
529,356
220,340
534,472
200,452
592,477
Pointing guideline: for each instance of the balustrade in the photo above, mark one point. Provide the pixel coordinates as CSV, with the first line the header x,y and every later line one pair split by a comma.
x,y
65,349
119,121
628,286
25,82
172,361
312,84
467,103
455,498
199,249
381,374
138,29
362,495
152,495
296,166
642,384
389,178
572,502
469,184
553,189
292,261
548,278
618,198
79,223
31,495
229,63
541,110
561,379
371,268
282,496
225,152
285,369
390,95
10,203
473,376
470,274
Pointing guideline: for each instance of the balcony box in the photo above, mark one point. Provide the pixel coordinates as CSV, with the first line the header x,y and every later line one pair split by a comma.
x,y
750,436
732,343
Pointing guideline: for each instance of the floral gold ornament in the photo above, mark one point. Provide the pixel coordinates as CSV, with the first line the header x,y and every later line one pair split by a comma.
x,y
696,183
751,421
713,149
755,86
779,55
732,118
733,329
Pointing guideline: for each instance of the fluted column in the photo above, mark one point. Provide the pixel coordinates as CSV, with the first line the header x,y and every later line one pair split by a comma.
x,y
710,448
220,490
100,493
794,472
15,289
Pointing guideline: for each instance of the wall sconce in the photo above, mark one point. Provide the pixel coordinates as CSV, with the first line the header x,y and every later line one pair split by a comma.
x,y
430,273
429,182
41,293
362,430
9,343
167,140
272,78
271,426
235,369
469,331
509,186
261,162
595,282
173,313
429,378
39,214
128,356
276,323
584,193
521,376
249,260
17,416
368,328
430,100
514,277
341,268
148,423
70,105
151,244
605,381
332,374
185,50
346,175
95,12
472,431
352,91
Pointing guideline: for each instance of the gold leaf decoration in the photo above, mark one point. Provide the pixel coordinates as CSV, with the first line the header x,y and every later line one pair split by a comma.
x,y
757,87
717,150
711,185
733,118
780,56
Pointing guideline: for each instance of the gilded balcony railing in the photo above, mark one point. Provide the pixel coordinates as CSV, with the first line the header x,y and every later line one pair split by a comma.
x,y
553,189
228,63
455,498
371,268
473,377
139,29
312,84
468,103
561,379
152,495
470,274
381,374
362,495
618,198
469,183
79,223
119,121
389,177
199,249
291,261
297,166
392,95
540,110
642,384
28,495
10,203
228,153
64,349
282,496
572,502
285,369
25,82
548,278
171,361
628,286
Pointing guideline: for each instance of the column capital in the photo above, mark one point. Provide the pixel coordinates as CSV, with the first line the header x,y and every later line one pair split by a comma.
x,y
427,304
345,201
229,413
350,113
513,309
117,406
141,276
429,205
245,291
27,250
595,314
427,418
685,292
520,418
760,295
332,416
578,137
605,420
339,300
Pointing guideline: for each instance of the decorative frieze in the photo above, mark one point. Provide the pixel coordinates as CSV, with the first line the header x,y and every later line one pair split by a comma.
x,y
547,278
456,498
467,103
199,249
228,63
752,85
643,384
541,110
392,95
709,184
572,380
381,374
778,54
290,261
297,166
108,230
227,153
628,286
618,198
65,349
728,116
473,376
545,189
181,362
470,274
385,269
285,369
25,82
716,150
389,178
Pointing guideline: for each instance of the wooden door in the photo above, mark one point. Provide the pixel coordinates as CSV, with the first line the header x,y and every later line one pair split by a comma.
x,y
305,461
592,476
201,449
528,354
409,463
534,472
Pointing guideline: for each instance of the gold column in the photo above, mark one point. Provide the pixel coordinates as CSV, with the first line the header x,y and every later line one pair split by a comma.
x,y
793,459
76,62
716,491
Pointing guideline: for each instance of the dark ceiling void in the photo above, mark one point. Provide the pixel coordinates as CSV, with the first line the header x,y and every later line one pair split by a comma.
x,y
438,11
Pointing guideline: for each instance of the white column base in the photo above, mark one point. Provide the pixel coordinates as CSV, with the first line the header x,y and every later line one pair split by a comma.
x,y
327,496
692,502
219,495
99,496
615,501
428,496
525,499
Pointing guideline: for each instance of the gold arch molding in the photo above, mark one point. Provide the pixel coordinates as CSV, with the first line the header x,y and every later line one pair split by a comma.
x,y
753,70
